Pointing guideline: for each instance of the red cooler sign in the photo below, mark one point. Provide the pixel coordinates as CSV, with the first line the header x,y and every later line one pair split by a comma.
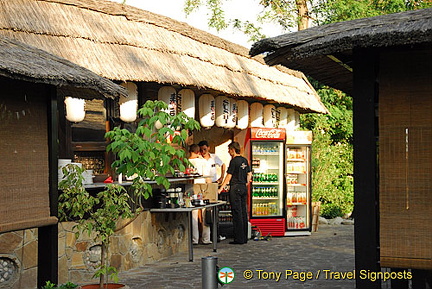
x,y
261,133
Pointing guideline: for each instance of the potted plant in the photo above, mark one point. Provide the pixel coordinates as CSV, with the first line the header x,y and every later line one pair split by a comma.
x,y
150,154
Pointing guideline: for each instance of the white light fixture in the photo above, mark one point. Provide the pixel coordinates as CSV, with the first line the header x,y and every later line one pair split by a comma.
x,y
75,111
269,115
242,114
282,117
232,117
223,110
129,105
186,102
256,114
207,110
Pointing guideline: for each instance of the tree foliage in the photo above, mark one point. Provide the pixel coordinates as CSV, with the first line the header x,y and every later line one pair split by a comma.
x,y
332,158
290,14
150,153
342,10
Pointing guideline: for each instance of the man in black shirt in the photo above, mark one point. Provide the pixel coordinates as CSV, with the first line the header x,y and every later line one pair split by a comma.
x,y
238,176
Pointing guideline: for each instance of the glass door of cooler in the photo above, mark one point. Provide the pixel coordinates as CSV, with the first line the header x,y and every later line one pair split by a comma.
x,y
267,181
298,187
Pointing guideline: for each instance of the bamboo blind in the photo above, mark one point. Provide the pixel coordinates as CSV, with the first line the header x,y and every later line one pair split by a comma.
x,y
405,160
24,190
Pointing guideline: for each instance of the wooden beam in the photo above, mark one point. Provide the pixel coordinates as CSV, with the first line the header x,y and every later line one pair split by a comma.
x,y
365,166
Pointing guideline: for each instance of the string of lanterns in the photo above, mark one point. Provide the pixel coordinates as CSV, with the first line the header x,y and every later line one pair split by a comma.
x,y
226,112
221,111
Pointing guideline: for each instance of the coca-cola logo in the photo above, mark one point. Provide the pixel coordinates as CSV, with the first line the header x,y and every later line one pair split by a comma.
x,y
269,133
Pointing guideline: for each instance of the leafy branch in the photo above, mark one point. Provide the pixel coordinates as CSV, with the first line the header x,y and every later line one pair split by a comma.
x,y
151,152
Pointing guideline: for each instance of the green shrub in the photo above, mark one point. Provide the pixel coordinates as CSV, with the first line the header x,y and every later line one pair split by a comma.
x,y
68,285
332,153
330,211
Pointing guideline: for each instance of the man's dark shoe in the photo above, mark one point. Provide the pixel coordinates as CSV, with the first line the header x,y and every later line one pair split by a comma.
x,y
235,242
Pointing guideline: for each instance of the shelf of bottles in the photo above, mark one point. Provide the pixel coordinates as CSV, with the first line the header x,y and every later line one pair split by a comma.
x,y
296,218
267,179
297,193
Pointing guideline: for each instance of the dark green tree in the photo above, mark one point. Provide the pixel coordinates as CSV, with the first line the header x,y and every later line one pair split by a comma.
x,y
330,11
332,158
291,14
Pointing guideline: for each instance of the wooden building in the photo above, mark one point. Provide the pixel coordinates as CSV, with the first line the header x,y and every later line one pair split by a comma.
x,y
385,63
31,80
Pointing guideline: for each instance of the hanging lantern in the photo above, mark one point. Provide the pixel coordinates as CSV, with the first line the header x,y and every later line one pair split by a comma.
x,y
129,105
168,95
296,120
206,105
128,110
242,114
186,102
223,108
282,117
256,115
293,120
232,117
270,120
75,111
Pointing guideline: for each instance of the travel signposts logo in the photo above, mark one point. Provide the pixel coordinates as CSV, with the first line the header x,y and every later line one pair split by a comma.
x,y
226,275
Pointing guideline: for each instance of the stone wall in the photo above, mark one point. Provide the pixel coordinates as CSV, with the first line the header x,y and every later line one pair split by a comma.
x,y
147,239
18,259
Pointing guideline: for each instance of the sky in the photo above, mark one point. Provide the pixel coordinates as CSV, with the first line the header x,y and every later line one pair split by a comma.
x,y
241,9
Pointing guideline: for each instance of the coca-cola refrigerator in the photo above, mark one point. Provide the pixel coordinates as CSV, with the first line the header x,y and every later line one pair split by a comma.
x,y
298,183
266,147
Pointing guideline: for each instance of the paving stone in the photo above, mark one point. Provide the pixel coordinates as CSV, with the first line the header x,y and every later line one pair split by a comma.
x,y
326,254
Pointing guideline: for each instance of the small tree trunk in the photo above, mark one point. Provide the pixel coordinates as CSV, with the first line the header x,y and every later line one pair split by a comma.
x,y
303,14
103,261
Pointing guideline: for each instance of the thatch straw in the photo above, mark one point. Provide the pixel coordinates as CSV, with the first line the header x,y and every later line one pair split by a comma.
x,y
23,62
308,50
125,43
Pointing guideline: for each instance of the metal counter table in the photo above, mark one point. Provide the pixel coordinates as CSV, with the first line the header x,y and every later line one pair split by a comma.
x,y
189,212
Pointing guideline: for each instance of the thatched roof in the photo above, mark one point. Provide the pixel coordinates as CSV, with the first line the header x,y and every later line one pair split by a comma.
x,y
23,62
316,51
121,42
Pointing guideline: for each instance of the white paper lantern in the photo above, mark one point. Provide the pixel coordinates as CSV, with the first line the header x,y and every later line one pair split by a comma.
x,y
128,110
232,117
223,107
75,109
270,116
242,114
168,95
206,104
132,91
296,120
293,122
129,105
256,115
186,102
282,117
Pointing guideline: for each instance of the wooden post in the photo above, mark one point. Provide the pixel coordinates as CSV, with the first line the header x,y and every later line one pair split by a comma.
x,y
48,236
316,207
366,212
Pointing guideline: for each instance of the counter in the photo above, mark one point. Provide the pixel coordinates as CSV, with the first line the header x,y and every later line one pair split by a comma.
x,y
189,212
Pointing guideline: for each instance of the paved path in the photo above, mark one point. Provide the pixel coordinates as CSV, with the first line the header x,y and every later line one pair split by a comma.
x,y
327,253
